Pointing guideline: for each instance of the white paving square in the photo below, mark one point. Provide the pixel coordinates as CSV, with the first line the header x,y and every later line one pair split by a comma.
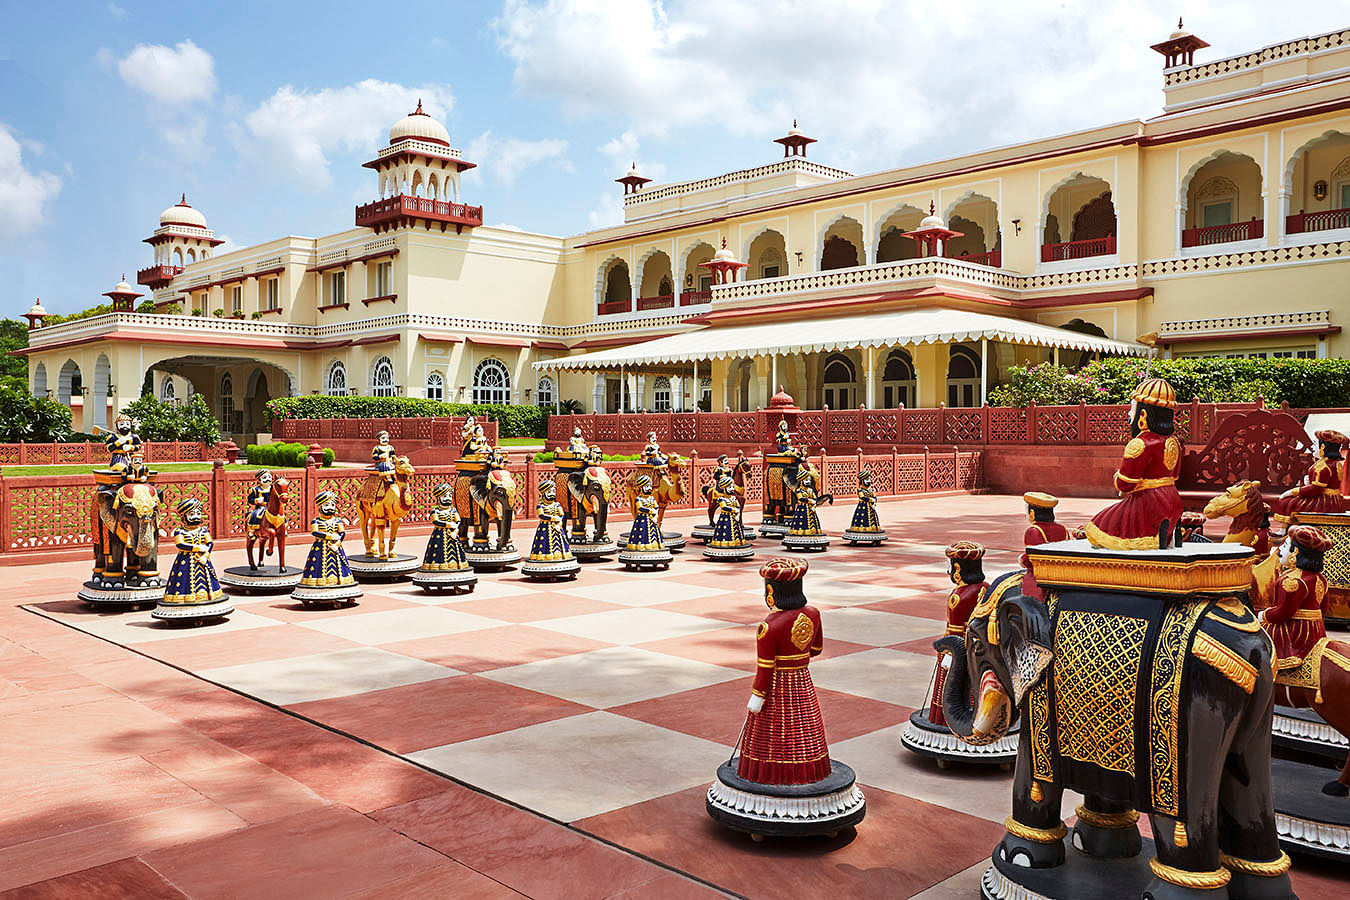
x,y
891,676
580,766
613,676
390,625
850,593
875,627
319,676
628,593
631,626
486,589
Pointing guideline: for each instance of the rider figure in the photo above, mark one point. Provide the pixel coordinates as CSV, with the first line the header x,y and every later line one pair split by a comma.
x,y
123,444
258,495
783,440
466,435
382,457
576,444
651,454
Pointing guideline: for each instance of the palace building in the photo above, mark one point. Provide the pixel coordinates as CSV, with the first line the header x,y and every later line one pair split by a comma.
x,y
1221,226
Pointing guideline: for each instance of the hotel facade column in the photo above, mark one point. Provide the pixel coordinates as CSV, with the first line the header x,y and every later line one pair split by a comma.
x,y
640,394
598,393
984,371
869,368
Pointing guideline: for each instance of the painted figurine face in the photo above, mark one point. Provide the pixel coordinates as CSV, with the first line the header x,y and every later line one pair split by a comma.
x,y
576,431
547,490
383,437
123,425
722,460
264,478
328,507
192,516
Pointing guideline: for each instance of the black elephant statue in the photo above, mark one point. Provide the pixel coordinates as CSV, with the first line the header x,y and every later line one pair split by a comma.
x,y
126,535
587,496
493,495
1158,704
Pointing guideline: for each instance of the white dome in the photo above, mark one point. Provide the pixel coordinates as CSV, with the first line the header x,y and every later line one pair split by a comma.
x,y
182,214
932,221
633,171
38,309
123,287
1178,34
420,126
724,253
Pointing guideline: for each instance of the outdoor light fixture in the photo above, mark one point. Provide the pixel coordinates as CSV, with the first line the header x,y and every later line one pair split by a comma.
x,y
799,257
1017,225
1319,190
688,280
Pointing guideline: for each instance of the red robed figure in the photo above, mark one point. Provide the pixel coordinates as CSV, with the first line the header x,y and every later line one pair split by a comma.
x,y
1042,530
967,573
1294,618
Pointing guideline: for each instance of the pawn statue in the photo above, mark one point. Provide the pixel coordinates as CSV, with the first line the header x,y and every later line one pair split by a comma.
x,y
193,593
327,577
1321,488
728,539
865,527
550,555
445,564
645,546
382,457
804,531
1042,530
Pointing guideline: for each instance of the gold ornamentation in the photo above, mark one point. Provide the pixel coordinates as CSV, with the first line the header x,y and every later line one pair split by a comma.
x,y
1179,836
1037,795
1161,576
768,595
1171,453
1135,448
1107,820
953,600
762,630
1039,835
1038,706
1225,661
1242,618
1161,481
802,632
1307,672
1097,658
987,606
1251,867
1099,538
1291,582
1184,878
1164,704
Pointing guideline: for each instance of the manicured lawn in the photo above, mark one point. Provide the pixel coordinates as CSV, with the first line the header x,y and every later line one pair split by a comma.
x,y
13,471
520,442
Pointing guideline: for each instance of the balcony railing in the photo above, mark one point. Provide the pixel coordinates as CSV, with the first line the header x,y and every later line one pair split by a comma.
x,y
992,258
157,275
390,210
1317,221
694,298
1078,249
1223,234
665,301
610,307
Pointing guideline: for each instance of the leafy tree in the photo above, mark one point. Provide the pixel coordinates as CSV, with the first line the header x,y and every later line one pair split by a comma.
x,y
160,421
13,336
24,417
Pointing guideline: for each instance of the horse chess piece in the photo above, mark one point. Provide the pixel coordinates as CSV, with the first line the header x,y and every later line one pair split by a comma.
x,y
645,548
927,733
1043,529
804,531
550,556
193,594
1244,504
865,527
784,783
265,527
327,578
445,564
728,543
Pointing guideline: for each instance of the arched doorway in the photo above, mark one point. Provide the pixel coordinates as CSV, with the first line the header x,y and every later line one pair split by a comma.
x,y
840,381
255,401
102,383
842,245
963,377
1080,220
899,387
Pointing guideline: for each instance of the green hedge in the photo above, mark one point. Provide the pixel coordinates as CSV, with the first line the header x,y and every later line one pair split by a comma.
x,y
546,456
513,420
293,456
1302,383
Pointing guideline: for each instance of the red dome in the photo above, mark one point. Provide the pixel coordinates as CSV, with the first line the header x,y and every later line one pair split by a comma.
x,y
782,400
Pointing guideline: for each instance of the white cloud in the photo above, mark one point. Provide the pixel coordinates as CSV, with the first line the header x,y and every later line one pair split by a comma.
x,y
608,211
877,81
23,194
116,11
179,74
186,136
298,129
506,158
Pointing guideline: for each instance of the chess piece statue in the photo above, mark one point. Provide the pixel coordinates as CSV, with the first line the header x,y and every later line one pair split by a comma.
x,y
804,531
784,782
1043,529
783,439
1193,528
126,513
123,443
327,576
266,531
1146,517
445,564
382,457
865,527
550,555
468,436
576,444
193,593
1245,505
651,454
1320,491
255,504
1294,618
645,546
728,539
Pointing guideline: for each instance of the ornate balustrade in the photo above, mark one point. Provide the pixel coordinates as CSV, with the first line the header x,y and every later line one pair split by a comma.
x,y
94,453
391,209
992,258
154,276
1223,234
1325,220
610,307
693,298
1078,249
662,302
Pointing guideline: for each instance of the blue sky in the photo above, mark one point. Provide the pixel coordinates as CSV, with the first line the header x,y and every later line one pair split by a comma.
x,y
263,112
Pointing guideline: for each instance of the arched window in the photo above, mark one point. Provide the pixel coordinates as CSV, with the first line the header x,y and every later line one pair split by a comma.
x,y
963,377
178,257
166,389
543,391
227,404
40,380
898,386
840,381
661,394
435,386
382,378
491,382
705,394
335,385
191,256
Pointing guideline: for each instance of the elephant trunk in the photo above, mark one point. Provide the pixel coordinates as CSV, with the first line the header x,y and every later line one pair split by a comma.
x,y
147,537
956,705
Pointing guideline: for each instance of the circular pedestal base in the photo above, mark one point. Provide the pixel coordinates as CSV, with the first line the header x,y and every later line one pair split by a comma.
x,y
921,736
334,595
262,580
492,560
100,595
585,550
550,569
794,810
811,543
1081,876
772,530
729,554
373,568
1306,731
192,613
645,559
870,538
1308,820
461,581
673,540
701,533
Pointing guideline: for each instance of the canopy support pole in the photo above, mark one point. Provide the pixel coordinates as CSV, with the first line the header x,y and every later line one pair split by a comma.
x,y
870,393
984,371
1056,356
623,389
773,375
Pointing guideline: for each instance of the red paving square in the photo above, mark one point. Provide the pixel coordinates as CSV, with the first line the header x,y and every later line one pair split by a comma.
x,y
284,609
734,606
494,648
126,879
211,650
252,791
921,645
717,712
732,647
934,607
903,847
432,713
326,852
531,607
449,881
143,679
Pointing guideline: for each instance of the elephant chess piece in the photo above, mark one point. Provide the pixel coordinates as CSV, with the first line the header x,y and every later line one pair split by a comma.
x,y
125,518
485,493
784,783
384,502
1311,673
728,543
779,474
550,555
645,548
804,531
865,528
927,733
193,594
584,490
265,528
445,566
327,578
